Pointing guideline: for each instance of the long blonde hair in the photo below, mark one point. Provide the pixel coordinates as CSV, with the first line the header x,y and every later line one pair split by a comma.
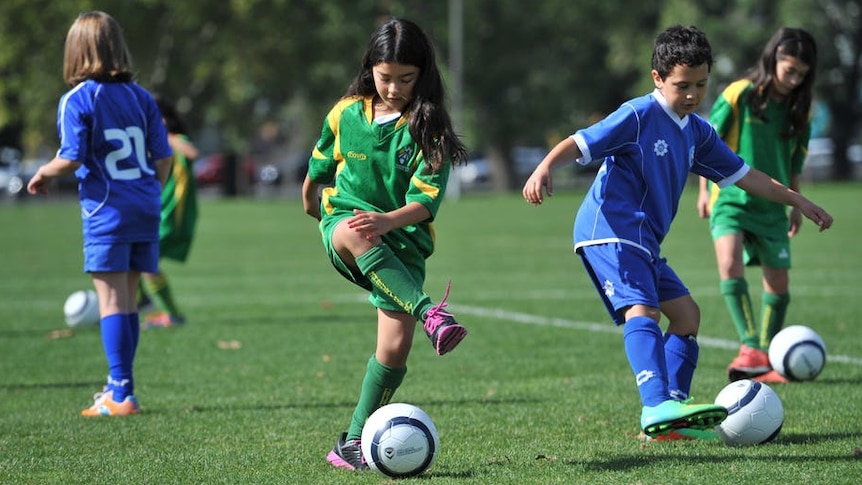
x,y
96,49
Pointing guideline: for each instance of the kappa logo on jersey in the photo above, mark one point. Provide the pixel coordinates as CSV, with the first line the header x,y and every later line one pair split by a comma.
x,y
403,158
660,148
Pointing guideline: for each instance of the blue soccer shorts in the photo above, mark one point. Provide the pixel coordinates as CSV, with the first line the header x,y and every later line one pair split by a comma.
x,y
626,275
121,257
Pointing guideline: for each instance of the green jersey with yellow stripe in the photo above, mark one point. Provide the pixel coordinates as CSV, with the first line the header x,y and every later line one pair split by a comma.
x,y
375,165
760,143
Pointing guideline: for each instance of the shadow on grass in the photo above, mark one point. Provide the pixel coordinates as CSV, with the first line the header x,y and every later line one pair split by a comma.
x,y
624,463
49,385
195,408
287,318
40,333
812,438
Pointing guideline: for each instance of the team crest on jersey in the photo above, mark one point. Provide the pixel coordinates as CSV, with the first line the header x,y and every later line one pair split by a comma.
x,y
660,148
609,288
403,158
691,156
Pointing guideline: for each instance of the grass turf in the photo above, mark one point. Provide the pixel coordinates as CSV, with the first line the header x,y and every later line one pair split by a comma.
x,y
258,385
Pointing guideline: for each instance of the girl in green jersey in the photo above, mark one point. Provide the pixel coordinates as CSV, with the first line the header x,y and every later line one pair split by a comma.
x,y
763,117
384,156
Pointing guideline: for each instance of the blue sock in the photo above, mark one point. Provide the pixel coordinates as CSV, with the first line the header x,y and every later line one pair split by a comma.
x,y
119,350
645,351
680,353
135,327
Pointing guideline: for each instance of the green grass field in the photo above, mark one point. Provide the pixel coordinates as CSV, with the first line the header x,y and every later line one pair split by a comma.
x,y
258,385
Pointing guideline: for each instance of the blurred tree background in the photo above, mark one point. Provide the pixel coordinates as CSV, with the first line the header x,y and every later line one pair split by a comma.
x,y
256,77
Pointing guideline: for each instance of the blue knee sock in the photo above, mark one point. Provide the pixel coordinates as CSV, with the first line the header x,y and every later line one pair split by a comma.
x,y
645,351
119,350
680,353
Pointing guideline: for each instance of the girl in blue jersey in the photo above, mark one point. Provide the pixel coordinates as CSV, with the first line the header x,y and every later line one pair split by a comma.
x,y
113,139
650,145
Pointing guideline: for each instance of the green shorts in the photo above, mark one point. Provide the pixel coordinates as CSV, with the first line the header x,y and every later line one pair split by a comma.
x,y
175,248
397,241
770,250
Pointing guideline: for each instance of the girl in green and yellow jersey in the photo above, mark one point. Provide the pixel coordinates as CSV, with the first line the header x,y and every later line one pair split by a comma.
x,y
383,157
763,117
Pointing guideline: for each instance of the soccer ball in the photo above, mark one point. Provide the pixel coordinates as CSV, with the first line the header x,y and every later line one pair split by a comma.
x,y
797,353
399,440
754,413
82,309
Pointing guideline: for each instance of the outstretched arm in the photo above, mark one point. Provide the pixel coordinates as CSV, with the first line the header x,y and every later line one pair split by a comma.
x,y
703,198
564,152
55,168
795,214
760,184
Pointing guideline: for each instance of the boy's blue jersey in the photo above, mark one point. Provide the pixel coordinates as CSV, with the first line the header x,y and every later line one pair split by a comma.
x,y
116,132
649,152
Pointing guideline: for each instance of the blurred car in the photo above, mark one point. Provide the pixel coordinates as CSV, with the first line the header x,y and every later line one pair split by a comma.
x,y
818,164
526,159
13,177
212,170
478,170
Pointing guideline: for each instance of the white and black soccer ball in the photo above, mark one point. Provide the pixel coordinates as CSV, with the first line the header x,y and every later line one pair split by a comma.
x,y
399,440
82,309
798,353
754,413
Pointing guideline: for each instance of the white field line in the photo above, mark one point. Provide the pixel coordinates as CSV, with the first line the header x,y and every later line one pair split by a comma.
x,y
595,327
528,319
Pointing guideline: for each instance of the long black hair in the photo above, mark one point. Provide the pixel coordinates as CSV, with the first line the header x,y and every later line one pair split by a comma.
x,y
792,42
401,41
173,121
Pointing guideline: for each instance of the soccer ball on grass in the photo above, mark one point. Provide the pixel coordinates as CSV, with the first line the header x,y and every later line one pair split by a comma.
x,y
399,440
82,309
754,413
798,353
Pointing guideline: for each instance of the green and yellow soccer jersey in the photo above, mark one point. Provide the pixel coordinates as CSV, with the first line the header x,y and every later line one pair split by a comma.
x,y
760,143
374,166
179,209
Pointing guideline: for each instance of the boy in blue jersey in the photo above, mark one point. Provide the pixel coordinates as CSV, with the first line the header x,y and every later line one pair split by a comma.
x,y
113,139
650,145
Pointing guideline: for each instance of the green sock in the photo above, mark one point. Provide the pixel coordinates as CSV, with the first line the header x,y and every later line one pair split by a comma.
x,y
773,309
157,287
735,292
378,387
393,281
143,295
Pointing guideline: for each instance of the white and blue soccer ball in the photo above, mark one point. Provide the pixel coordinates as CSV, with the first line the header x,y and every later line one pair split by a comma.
x,y
82,309
399,440
798,353
754,413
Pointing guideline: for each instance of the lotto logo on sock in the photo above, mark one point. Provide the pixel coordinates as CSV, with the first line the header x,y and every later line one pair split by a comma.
x,y
644,376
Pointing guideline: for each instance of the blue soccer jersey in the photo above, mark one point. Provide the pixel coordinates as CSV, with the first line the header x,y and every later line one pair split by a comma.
x,y
648,152
115,131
